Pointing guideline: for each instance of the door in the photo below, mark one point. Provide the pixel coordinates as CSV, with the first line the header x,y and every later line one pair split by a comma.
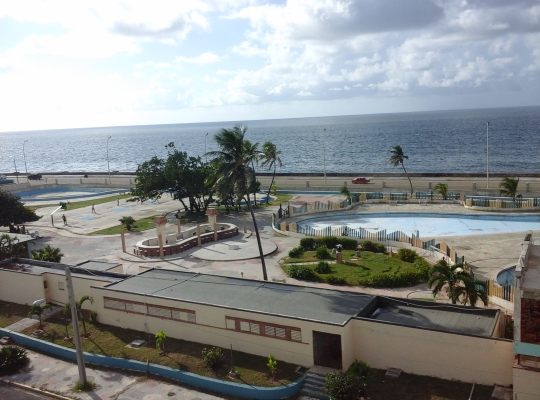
x,y
327,350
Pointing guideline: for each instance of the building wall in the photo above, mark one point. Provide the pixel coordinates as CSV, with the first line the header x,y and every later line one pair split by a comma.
x,y
211,328
526,384
21,288
57,292
424,352
530,321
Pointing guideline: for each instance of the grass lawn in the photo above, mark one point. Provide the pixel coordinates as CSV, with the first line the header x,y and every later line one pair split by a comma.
x,y
142,225
180,354
368,265
415,387
87,203
11,313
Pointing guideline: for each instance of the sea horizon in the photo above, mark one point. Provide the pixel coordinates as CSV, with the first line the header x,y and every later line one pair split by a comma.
x,y
452,141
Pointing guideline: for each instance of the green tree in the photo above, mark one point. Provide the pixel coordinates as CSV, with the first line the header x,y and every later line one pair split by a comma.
x,y
472,291
270,158
347,193
233,166
442,189
78,307
251,151
150,181
449,278
509,187
272,366
38,309
397,157
10,247
13,211
48,253
128,222
161,337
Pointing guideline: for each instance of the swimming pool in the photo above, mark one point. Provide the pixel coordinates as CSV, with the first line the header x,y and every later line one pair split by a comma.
x,y
66,193
426,224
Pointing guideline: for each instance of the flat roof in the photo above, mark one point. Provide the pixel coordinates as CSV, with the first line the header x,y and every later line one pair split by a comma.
x,y
304,302
530,275
445,317
93,265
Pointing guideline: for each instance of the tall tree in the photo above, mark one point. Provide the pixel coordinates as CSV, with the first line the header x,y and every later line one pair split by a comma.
x,y
50,254
150,182
251,151
13,211
10,247
234,169
397,157
509,187
270,158
347,193
78,307
449,278
442,189
472,291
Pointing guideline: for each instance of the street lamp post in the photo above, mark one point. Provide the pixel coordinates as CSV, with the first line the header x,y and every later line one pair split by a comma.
x,y
487,153
108,165
16,173
24,156
205,156
324,156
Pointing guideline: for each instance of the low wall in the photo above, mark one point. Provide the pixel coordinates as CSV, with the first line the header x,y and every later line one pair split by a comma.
x,y
229,388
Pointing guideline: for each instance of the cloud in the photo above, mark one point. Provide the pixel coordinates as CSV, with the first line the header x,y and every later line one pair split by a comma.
x,y
205,58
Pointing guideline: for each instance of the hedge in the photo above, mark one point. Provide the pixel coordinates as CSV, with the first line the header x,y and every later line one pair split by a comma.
x,y
329,242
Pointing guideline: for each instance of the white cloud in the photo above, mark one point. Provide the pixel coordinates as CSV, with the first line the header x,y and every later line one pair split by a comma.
x,y
205,58
304,94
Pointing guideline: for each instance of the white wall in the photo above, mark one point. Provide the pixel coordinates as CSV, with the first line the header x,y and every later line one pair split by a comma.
x,y
20,287
526,384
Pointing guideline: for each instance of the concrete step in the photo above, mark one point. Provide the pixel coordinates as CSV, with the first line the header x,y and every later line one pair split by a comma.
x,y
314,394
314,387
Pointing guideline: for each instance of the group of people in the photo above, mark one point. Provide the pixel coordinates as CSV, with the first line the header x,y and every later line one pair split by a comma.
x,y
17,229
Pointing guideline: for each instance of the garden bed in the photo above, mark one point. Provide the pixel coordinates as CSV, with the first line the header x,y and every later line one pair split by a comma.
x,y
11,313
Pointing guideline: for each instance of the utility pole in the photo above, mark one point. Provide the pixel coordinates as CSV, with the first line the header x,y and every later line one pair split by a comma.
x,y
487,151
76,334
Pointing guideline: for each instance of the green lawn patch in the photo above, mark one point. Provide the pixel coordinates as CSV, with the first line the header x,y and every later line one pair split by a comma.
x,y
142,225
371,269
86,203
11,313
180,354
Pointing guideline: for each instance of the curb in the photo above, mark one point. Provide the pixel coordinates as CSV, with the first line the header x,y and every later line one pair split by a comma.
x,y
36,390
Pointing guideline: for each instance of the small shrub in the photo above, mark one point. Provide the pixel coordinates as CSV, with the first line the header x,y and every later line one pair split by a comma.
x,y
296,252
400,279
328,241
380,248
335,280
407,255
323,268
93,317
368,245
213,357
360,369
301,272
12,359
308,243
322,253
348,244
272,365
340,386
84,386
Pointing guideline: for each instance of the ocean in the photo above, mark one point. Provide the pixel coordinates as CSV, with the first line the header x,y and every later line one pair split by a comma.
x,y
438,141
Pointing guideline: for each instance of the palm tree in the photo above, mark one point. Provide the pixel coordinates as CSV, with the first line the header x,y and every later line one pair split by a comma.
x,y
51,254
10,247
38,309
270,158
78,306
251,150
472,291
234,170
347,193
509,187
397,158
449,278
128,222
161,336
442,189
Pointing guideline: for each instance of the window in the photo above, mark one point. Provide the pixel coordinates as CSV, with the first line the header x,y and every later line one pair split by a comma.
x,y
263,329
151,310
61,285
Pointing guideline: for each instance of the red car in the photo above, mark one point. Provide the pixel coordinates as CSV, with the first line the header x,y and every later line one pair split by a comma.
x,y
360,180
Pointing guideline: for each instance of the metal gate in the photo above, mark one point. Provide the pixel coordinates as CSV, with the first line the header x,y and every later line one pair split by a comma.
x,y
327,350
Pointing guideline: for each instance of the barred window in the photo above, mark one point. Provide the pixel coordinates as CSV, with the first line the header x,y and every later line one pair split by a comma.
x,y
263,329
152,310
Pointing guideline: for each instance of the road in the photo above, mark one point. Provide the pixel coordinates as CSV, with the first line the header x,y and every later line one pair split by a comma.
x,y
10,392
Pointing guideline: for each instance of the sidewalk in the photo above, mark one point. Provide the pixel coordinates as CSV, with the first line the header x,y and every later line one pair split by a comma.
x,y
57,377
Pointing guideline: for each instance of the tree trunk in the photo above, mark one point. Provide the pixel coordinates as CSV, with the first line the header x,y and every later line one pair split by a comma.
x,y
265,276
408,178
270,187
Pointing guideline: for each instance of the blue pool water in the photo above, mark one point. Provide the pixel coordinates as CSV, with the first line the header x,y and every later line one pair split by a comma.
x,y
429,224
66,193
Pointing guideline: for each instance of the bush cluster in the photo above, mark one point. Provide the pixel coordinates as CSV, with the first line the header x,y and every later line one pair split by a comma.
x,y
301,272
322,253
336,280
12,359
340,386
296,252
213,356
400,279
368,245
328,241
407,255
323,268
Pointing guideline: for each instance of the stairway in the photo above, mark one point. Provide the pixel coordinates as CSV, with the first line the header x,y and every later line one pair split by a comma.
x,y
314,385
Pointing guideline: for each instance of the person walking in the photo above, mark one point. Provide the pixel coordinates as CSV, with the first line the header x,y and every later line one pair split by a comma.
x,y
93,210
64,219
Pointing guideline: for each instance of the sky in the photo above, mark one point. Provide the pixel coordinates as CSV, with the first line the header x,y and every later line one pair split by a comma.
x,y
71,64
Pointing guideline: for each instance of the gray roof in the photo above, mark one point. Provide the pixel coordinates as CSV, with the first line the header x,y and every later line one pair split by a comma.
x,y
329,306
93,265
308,303
448,318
